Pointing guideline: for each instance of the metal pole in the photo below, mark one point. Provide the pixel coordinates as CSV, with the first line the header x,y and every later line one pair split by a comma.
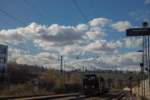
x,y
145,64
142,67
6,74
149,65
144,25
147,58
138,86
61,65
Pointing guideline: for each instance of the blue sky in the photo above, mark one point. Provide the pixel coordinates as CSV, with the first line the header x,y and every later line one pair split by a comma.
x,y
64,11
46,29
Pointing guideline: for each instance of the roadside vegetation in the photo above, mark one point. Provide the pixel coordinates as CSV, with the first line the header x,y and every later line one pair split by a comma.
x,y
23,80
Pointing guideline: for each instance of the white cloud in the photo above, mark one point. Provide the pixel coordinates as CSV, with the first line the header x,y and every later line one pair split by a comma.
x,y
132,42
99,22
82,27
68,50
54,34
121,25
13,53
41,59
95,32
126,61
22,34
23,57
85,40
103,45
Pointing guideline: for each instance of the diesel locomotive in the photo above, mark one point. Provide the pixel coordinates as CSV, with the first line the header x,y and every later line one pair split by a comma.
x,y
94,85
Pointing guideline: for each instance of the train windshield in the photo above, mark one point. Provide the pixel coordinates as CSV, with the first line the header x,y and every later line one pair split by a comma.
x,y
90,80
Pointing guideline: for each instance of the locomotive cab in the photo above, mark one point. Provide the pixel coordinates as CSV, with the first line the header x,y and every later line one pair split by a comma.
x,y
93,85
90,84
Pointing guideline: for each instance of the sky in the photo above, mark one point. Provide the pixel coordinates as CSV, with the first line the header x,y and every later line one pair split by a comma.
x,y
89,33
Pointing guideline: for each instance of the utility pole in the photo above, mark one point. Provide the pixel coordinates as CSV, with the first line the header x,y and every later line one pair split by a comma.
x,y
142,86
148,65
62,71
145,52
61,65
144,65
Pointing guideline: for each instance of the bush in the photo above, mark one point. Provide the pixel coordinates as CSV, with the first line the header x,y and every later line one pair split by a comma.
x,y
51,80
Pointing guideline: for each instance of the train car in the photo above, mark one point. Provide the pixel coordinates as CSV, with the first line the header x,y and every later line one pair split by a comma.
x,y
93,85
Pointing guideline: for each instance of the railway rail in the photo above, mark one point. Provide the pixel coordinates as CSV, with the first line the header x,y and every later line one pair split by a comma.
x,y
47,97
117,95
113,95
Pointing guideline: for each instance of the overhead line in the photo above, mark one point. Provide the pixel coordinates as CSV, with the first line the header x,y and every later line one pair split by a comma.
x,y
32,7
80,10
11,16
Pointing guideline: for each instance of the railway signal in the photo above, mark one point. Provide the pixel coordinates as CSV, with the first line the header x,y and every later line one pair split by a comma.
x,y
144,32
138,32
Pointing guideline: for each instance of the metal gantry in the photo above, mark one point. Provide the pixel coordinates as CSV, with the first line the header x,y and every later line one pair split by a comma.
x,y
145,65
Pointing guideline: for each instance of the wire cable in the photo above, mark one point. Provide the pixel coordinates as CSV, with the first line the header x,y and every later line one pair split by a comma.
x,y
33,8
79,10
11,16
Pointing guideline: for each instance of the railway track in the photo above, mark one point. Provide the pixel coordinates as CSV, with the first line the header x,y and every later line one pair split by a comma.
x,y
113,95
71,96
118,95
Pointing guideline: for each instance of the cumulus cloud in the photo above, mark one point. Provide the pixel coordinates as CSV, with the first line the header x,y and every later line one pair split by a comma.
x,y
125,61
24,57
99,22
54,34
103,45
95,32
121,25
42,59
82,27
62,34
128,61
13,53
22,34
68,50
85,40
132,42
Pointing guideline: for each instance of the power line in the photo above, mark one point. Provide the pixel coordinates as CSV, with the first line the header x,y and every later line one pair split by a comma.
x,y
80,10
32,7
11,16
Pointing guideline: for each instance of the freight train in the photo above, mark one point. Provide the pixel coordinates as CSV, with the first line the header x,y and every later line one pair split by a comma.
x,y
94,85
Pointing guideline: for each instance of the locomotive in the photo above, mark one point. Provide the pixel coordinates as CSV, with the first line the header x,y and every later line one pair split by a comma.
x,y
94,85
